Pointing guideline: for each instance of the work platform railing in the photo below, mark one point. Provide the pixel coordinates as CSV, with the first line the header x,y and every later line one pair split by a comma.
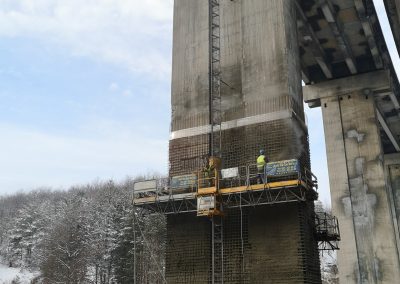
x,y
236,187
204,191
327,231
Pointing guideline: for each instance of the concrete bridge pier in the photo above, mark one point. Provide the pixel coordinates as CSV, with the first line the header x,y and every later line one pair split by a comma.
x,y
362,196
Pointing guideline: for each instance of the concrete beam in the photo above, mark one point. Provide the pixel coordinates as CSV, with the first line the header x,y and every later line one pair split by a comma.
x,y
365,22
392,159
374,81
387,130
307,32
395,101
393,12
337,29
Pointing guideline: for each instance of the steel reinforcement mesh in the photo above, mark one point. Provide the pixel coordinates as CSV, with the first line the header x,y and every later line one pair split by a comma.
x,y
281,139
236,246
188,249
278,249
309,247
266,244
186,155
184,119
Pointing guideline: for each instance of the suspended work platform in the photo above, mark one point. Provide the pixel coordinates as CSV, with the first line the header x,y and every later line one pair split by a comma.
x,y
204,192
281,182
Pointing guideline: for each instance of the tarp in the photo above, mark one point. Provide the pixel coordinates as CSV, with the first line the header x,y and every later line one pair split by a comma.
x,y
184,181
282,168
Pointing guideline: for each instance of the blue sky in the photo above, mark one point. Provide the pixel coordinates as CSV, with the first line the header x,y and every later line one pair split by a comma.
x,y
85,92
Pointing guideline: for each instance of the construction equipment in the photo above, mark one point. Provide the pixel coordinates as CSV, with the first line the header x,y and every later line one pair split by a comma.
x,y
208,194
213,188
215,135
284,181
215,78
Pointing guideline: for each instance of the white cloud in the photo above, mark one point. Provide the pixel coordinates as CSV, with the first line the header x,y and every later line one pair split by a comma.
x,y
113,87
133,34
127,93
32,158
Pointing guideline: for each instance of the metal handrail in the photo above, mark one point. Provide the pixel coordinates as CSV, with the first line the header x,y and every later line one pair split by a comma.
x,y
210,181
327,224
247,176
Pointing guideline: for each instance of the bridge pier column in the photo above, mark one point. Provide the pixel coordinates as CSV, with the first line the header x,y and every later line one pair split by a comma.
x,y
360,196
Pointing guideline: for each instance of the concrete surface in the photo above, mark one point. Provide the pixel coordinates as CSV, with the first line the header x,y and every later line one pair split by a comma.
x,y
261,73
359,195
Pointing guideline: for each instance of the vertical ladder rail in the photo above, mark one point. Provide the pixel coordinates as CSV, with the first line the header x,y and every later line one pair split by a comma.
x,y
215,117
215,78
217,250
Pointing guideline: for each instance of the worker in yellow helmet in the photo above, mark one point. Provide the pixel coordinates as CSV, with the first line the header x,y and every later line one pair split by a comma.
x,y
261,162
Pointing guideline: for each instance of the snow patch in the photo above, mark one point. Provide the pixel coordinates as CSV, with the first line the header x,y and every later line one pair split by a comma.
x,y
7,274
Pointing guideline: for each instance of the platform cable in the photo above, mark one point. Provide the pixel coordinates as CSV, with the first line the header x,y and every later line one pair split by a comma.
x,y
241,232
150,252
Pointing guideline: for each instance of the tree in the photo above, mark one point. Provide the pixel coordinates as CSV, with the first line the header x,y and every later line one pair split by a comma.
x,y
27,233
65,250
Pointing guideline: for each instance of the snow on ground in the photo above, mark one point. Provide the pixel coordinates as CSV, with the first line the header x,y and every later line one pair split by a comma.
x,y
7,274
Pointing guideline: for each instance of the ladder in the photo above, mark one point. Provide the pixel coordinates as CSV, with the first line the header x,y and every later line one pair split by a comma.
x,y
215,78
217,249
217,273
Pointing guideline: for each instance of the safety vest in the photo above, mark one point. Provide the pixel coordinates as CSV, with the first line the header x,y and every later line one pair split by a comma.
x,y
208,171
261,162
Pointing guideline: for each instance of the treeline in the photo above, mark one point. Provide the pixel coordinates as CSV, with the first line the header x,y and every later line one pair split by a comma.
x,y
88,234
91,234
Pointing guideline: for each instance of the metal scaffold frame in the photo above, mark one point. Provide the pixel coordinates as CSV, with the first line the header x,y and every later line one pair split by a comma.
x,y
215,78
240,190
327,231
217,275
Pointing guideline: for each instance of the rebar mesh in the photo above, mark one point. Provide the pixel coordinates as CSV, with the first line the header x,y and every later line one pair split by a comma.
x,y
265,244
281,139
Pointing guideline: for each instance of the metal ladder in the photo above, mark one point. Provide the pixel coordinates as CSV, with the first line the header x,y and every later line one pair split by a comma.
x,y
215,78
215,138
217,250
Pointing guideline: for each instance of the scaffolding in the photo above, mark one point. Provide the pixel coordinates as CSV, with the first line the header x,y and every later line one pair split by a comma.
x,y
327,231
215,78
215,134
213,193
234,187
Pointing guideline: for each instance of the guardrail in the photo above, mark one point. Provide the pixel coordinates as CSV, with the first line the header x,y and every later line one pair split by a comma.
x,y
327,231
211,182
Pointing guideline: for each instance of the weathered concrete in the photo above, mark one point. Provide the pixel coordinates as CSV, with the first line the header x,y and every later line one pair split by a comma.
x,y
378,81
360,199
392,171
376,84
261,73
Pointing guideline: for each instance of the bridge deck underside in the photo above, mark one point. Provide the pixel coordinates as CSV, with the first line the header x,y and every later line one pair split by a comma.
x,y
339,38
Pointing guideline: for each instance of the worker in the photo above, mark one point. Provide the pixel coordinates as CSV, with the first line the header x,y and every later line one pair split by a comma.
x,y
208,171
261,162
